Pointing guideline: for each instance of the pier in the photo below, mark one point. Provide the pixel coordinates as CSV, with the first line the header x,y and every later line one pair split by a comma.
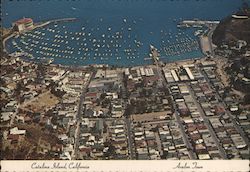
x,y
42,24
154,54
195,23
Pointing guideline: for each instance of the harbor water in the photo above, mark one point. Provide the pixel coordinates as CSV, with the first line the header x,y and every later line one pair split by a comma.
x,y
114,32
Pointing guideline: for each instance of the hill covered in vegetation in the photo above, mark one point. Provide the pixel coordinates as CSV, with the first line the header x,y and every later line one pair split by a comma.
x,y
234,27
232,38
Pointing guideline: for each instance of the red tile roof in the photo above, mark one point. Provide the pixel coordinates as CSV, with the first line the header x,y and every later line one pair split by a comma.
x,y
13,137
91,94
23,21
191,128
219,109
87,149
201,127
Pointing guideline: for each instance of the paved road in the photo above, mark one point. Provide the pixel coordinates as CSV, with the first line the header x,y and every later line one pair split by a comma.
x,y
207,123
210,34
163,82
78,117
5,60
130,139
192,155
128,121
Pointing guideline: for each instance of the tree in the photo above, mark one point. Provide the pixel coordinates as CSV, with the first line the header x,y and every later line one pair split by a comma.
x,y
129,110
102,96
247,99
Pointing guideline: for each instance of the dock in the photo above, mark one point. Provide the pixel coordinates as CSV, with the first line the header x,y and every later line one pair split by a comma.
x,y
154,54
197,23
42,24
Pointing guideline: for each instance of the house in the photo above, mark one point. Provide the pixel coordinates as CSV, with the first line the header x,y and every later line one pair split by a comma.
x,y
234,108
203,156
117,110
6,116
11,106
16,131
63,137
6,90
65,156
14,138
219,110
57,148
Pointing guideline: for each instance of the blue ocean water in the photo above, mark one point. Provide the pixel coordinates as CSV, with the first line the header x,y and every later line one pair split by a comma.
x,y
116,32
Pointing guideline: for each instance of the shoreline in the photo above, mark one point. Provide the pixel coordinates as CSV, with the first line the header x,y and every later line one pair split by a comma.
x,y
98,66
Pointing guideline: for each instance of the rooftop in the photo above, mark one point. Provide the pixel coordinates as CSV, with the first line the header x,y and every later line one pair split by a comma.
x,y
23,21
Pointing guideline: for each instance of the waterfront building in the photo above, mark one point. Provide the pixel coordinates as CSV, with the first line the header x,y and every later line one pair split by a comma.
x,y
23,24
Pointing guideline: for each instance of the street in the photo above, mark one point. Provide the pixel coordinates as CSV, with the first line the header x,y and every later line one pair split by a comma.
x,y
78,118
130,139
207,123
163,82
184,135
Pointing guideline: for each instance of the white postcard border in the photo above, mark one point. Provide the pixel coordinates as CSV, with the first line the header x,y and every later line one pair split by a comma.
x,y
125,166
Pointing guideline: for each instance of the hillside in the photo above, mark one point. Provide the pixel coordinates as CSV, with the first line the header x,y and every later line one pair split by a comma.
x,y
232,37
231,29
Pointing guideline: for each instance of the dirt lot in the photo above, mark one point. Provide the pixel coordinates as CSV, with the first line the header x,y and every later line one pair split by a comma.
x,y
149,116
41,103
